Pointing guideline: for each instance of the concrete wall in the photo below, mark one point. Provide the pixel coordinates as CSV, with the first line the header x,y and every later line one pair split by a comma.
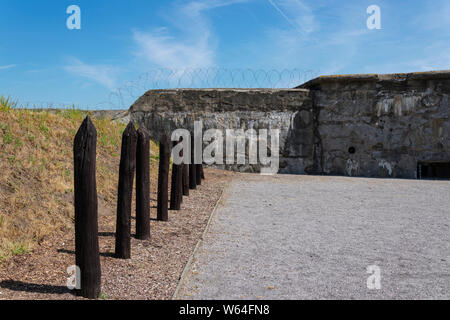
x,y
165,110
391,122
356,125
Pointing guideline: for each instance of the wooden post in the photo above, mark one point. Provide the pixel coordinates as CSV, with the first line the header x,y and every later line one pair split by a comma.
x,y
185,180
125,193
182,178
192,168
163,179
87,256
198,171
143,185
203,173
176,192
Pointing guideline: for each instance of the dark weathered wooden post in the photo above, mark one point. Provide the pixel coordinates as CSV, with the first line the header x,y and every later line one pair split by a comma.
x,y
143,185
176,192
185,172
125,193
185,180
198,171
192,168
86,211
182,178
163,179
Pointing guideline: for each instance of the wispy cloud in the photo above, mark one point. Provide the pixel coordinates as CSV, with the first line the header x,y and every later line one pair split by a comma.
x,y
161,49
7,67
102,74
299,15
193,46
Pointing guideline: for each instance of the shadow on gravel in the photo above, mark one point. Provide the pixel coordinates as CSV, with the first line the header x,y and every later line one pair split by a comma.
x,y
103,254
106,234
32,287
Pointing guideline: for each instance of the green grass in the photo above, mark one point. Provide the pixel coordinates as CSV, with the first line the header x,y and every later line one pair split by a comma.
x,y
74,114
6,103
7,134
102,296
19,249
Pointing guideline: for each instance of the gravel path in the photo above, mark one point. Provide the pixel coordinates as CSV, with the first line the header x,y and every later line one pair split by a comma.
x,y
303,237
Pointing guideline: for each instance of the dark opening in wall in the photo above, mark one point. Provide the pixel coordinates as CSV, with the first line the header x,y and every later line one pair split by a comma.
x,y
351,150
433,170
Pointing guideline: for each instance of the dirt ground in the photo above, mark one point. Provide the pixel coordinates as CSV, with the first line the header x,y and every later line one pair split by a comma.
x,y
153,271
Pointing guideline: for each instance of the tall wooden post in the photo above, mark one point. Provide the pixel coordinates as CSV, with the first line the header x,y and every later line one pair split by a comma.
x,y
181,173
192,168
163,179
124,197
185,180
176,192
143,185
198,171
86,211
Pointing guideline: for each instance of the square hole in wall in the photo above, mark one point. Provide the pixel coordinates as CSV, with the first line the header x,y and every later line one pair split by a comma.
x,y
433,170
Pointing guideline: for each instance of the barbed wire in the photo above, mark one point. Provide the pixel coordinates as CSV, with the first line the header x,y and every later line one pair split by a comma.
x,y
207,78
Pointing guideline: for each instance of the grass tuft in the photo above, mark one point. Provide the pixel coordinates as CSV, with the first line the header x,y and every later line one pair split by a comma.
x,y
6,103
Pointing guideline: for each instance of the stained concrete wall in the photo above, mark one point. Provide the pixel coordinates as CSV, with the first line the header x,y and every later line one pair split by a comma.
x,y
166,110
356,125
391,122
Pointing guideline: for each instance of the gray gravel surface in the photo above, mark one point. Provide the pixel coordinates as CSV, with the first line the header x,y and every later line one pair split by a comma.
x,y
304,237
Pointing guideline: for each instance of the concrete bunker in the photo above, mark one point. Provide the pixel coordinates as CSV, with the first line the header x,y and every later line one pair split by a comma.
x,y
354,125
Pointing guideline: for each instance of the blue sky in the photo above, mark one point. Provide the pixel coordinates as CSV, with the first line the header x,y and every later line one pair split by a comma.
x,y
42,60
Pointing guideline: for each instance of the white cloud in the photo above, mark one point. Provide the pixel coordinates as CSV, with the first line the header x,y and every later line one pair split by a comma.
x,y
193,47
7,67
166,51
102,74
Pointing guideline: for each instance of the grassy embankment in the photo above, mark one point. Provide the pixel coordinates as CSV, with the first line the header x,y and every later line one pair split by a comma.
x,y
36,165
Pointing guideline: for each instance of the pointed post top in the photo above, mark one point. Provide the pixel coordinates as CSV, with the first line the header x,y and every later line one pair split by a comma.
x,y
130,130
86,129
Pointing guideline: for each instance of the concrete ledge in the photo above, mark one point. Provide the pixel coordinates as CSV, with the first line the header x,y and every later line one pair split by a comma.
x,y
444,74
221,100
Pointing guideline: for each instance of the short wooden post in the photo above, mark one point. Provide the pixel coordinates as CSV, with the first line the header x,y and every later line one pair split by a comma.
x,y
176,192
86,211
143,185
163,179
125,192
192,169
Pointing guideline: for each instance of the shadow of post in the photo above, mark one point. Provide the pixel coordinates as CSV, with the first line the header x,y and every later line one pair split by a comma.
x,y
34,288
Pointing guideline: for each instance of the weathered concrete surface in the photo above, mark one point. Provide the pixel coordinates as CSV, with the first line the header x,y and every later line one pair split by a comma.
x,y
355,125
392,122
166,110
304,237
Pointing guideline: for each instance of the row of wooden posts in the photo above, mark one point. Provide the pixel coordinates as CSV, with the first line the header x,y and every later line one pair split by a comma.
x,y
135,157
